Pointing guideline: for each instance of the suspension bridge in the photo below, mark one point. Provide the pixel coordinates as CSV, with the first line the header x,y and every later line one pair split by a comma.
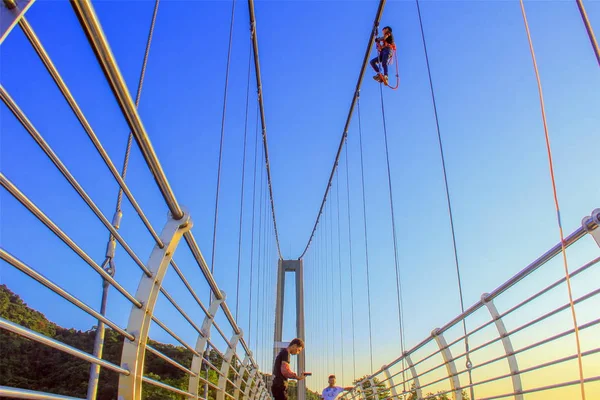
x,y
163,325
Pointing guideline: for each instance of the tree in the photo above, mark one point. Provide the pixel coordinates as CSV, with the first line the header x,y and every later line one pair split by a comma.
x,y
379,391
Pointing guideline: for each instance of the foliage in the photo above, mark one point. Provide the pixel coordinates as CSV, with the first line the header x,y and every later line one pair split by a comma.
x,y
30,365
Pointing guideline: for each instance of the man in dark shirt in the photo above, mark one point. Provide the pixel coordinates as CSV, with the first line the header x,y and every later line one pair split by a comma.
x,y
282,371
385,46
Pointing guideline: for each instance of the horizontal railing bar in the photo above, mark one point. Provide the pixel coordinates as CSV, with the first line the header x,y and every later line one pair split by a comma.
x,y
526,348
55,344
16,393
9,258
183,313
189,287
169,360
175,336
542,388
554,251
10,103
25,201
170,388
93,29
47,61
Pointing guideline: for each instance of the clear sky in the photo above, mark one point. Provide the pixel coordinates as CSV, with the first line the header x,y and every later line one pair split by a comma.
x,y
310,53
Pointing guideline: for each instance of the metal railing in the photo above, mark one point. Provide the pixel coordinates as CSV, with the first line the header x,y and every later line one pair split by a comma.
x,y
504,356
238,375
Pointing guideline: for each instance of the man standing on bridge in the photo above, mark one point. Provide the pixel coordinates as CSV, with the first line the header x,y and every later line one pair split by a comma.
x,y
331,392
282,370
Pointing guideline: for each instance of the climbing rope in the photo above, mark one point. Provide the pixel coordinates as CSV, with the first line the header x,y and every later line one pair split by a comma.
x,y
362,173
590,31
237,296
214,246
441,147
340,270
554,191
397,264
351,268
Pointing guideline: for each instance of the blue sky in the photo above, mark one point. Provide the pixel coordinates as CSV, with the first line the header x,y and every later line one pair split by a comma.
x,y
310,55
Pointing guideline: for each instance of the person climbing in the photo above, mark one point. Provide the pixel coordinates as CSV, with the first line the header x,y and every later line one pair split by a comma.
x,y
282,371
331,392
385,47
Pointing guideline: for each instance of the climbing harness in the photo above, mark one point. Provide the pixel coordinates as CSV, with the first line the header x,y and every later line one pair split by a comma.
x,y
392,58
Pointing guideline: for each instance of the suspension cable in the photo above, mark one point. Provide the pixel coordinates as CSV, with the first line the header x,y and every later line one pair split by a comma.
x,y
348,119
351,267
590,30
237,296
362,174
109,264
214,244
448,201
340,270
252,238
556,204
397,264
254,38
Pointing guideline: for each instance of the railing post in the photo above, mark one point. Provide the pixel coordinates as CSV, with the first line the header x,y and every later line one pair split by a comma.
x,y
251,377
240,377
226,363
140,319
374,389
508,348
450,365
362,390
413,372
388,376
197,361
595,233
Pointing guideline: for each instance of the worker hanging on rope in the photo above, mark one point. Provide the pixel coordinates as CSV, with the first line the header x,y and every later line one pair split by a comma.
x,y
386,48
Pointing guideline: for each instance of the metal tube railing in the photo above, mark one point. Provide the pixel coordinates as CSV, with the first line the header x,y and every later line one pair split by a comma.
x,y
175,336
169,360
16,393
587,225
170,388
10,103
9,258
25,201
93,29
55,344
39,48
542,388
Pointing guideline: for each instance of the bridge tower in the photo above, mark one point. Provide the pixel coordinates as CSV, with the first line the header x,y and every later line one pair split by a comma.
x,y
295,266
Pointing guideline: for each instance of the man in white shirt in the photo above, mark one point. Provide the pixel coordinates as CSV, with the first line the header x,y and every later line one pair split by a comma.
x,y
331,392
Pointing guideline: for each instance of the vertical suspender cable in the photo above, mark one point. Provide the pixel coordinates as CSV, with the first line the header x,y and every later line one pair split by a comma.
x,y
362,174
340,272
237,296
351,266
397,264
109,264
441,147
214,245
